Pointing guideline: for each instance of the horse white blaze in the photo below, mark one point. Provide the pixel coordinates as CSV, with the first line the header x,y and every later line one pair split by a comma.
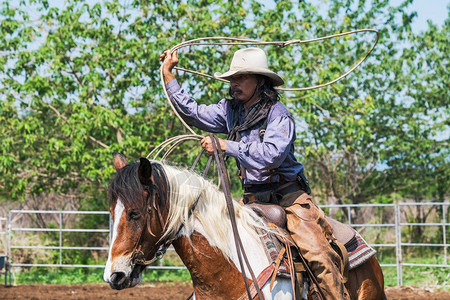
x,y
121,263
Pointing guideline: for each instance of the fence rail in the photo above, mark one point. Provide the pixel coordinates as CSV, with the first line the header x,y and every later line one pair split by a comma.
x,y
11,243
399,245
346,214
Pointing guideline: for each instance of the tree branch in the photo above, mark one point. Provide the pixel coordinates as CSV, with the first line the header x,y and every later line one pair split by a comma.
x,y
65,119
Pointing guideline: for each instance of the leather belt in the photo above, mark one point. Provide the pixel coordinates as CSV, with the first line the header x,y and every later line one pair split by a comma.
x,y
261,188
280,188
290,187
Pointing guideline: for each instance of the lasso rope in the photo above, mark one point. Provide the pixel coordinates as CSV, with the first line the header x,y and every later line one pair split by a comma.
x,y
281,44
174,142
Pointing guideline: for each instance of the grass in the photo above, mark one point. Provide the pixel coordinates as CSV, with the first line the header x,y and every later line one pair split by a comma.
x,y
423,277
42,275
166,275
39,275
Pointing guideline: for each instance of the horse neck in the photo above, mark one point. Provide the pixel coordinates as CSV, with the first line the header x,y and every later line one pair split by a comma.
x,y
196,204
206,244
213,274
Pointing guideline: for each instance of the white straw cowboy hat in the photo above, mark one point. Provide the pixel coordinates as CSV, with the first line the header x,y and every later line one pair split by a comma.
x,y
250,61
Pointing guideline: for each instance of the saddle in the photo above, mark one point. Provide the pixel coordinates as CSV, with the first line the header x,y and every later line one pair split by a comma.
x,y
275,216
357,248
272,213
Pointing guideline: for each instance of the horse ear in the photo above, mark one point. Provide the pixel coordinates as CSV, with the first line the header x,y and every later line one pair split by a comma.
x,y
120,161
144,171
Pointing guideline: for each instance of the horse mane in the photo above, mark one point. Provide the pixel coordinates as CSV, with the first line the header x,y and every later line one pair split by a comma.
x,y
188,189
184,190
127,187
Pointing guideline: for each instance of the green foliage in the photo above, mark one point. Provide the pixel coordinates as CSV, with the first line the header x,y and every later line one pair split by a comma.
x,y
82,80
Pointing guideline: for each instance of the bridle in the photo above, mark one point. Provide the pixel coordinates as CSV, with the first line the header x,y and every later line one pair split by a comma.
x,y
137,255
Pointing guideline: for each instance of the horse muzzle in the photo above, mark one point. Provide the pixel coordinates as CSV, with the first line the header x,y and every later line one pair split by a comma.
x,y
119,280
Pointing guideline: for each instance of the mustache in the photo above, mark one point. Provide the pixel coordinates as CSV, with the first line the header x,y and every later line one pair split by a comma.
x,y
236,89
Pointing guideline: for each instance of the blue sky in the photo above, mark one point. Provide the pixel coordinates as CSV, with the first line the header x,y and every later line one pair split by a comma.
x,y
435,10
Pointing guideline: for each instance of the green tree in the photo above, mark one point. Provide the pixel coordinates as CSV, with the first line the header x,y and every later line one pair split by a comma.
x,y
80,80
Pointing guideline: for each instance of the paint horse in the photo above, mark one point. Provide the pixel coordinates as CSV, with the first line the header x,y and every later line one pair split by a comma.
x,y
154,205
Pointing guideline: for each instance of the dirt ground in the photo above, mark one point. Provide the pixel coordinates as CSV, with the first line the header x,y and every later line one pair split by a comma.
x,y
161,291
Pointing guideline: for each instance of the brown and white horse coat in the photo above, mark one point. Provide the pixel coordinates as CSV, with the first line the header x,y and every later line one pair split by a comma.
x,y
192,213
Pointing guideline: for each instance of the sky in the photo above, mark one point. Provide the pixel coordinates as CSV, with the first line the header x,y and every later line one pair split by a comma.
x,y
435,10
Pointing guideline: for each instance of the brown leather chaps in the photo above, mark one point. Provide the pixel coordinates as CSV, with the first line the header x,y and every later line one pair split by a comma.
x,y
311,232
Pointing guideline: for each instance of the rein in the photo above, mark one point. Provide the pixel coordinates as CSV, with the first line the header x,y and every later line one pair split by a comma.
x,y
223,175
138,256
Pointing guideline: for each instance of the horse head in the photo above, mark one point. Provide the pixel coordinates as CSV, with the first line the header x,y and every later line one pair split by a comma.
x,y
138,205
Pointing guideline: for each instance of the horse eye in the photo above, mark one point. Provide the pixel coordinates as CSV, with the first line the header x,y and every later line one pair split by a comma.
x,y
134,215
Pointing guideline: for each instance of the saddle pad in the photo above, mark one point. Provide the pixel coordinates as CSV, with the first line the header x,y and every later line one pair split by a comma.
x,y
358,251
273,247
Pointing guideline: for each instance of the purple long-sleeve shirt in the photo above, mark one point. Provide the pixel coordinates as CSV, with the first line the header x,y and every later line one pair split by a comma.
x,y
276,151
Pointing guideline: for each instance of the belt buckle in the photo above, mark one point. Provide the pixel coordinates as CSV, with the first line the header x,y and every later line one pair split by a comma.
x,y
249,198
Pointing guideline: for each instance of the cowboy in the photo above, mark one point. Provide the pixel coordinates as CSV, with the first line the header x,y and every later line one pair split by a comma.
x,y
261,135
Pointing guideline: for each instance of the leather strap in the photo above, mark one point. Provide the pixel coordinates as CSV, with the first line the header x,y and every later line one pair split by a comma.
x,y
344,252
262,279
292,270
224,178
299,270
318,291
277,266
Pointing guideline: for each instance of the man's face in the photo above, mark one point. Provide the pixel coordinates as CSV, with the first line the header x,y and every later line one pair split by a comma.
x,y
243,86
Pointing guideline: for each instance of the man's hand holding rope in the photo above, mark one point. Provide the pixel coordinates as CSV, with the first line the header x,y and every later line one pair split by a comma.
x,y
207,145
170,60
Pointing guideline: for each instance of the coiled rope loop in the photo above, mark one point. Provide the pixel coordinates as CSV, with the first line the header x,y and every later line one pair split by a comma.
x,y
173,142
248,42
